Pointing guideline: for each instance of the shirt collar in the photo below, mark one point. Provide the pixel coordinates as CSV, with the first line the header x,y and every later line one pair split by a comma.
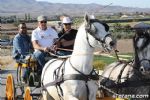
x,y
41,29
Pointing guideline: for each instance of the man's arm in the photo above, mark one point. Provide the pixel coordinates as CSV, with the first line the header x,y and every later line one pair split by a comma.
x,y
35,43
17,44
67,43
38,47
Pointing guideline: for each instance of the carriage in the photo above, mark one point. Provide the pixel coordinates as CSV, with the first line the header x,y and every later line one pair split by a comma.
x,y
92,33
33,80
56,81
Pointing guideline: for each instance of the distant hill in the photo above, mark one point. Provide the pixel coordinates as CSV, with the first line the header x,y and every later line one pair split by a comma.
x,y
20,7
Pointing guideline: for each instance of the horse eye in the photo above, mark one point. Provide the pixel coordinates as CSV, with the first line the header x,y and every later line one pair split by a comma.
x,y
140,35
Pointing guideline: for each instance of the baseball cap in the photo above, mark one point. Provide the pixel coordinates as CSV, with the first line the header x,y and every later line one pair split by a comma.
x,y
66,20
41,18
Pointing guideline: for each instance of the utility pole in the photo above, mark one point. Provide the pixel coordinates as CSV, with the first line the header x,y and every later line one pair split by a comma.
x,y
0,28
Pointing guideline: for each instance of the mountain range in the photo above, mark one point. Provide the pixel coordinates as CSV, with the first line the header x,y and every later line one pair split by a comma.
x,y
20,7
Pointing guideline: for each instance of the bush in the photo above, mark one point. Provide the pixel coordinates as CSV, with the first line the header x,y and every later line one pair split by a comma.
x,y
99,65
16,23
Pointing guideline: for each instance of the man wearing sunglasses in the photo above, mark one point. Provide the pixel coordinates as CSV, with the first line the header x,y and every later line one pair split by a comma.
x,y
66,37
22,47
42,39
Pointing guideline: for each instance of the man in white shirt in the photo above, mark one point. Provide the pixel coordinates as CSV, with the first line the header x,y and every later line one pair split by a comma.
x,y
43,38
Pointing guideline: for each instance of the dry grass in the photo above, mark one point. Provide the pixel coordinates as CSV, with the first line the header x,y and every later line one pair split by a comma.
x,y
125,46
5,60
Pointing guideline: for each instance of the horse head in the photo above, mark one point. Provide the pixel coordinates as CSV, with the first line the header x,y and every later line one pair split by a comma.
x,y
99,31
142,51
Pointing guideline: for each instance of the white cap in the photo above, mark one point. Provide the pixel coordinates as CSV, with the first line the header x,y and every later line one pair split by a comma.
x,y
66,20
41,18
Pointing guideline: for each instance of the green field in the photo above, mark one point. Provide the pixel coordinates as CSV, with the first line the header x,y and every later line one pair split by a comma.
x,y
104,59
101,61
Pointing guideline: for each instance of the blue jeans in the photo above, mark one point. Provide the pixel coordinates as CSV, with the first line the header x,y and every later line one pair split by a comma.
x,y
64,53
40,57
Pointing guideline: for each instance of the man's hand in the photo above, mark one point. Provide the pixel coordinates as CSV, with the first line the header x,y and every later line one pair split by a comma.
x,y
46,49
53,48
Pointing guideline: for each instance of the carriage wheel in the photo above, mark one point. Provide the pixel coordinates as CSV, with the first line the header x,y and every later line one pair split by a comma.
x,y
31,79
27,94
19,74
10,89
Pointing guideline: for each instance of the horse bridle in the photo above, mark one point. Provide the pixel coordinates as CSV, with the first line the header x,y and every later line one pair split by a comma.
x,y
144,60
135,39
92,32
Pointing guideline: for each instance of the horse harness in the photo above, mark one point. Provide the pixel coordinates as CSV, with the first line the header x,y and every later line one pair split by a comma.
x,y
60,77
117,83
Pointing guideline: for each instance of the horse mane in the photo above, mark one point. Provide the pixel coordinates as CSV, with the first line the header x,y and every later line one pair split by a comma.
x,y
103,23
147,36
136,58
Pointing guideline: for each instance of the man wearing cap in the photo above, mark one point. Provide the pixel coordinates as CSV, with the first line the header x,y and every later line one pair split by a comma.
x,y
60,25
66,37
42,39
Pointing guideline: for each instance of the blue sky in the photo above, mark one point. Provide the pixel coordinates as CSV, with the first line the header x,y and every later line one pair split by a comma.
x,y
126,3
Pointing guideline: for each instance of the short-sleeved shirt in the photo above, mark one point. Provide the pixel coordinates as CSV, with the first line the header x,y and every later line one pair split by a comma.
x,y
70,35
21,45
45,38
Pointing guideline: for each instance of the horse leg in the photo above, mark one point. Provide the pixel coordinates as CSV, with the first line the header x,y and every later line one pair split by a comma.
x,y
46,96
100,93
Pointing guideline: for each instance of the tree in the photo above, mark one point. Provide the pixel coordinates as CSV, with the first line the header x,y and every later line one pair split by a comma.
x,y
26,17
29,17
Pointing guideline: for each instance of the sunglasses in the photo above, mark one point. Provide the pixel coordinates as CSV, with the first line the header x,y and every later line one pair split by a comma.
x,y
67,23
43,21
23,27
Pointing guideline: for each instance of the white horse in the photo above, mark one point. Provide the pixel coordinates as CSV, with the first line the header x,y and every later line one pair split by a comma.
x,y
129,77
74,78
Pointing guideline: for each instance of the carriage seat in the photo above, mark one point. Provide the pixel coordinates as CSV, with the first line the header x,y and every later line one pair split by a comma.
x,y
64,57
58,57
28,61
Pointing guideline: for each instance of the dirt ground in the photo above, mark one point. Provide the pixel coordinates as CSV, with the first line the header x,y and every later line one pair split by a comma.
x,y
125,46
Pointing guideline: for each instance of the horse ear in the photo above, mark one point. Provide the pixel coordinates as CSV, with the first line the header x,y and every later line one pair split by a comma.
x,y
87,22
86,18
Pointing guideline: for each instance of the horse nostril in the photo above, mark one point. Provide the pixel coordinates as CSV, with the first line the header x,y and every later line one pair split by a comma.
x,y
112,43
141,69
